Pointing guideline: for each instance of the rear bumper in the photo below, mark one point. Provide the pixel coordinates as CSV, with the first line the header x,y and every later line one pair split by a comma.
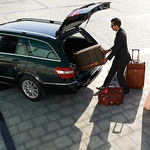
x,y
73,87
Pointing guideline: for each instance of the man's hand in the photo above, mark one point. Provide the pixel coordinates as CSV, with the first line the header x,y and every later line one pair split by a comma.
x,y
104,61
106,51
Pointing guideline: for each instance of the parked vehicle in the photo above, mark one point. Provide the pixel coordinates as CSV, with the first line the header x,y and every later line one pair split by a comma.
x,y
36,55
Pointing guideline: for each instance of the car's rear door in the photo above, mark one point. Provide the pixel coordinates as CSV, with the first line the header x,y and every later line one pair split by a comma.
x,y
80,15
12,63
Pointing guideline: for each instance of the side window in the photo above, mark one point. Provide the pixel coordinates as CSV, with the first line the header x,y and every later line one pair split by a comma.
x,y
7,44
21,47
40,49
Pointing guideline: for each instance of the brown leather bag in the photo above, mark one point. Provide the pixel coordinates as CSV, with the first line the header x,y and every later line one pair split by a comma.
x,y
111,95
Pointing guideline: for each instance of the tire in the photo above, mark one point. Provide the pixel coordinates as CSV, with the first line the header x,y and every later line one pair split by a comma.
x,y
31,88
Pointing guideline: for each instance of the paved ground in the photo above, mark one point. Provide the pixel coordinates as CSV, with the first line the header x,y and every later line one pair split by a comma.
x,y
78,122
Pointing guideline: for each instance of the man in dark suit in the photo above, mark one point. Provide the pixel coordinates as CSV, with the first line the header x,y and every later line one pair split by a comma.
x,y
121,54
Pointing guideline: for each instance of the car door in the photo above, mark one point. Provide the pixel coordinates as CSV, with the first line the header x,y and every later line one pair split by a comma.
x,y
12,62
42,61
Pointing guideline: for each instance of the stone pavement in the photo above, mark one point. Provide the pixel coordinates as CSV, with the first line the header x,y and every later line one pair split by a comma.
x,y
78,122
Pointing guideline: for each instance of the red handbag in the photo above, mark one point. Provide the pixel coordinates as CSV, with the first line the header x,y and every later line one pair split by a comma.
x,y
111,95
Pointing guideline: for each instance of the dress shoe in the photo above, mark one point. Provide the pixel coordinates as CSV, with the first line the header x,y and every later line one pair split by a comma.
x,y
126,92
98,88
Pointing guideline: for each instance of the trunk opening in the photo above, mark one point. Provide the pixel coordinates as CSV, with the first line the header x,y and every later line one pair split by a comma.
x,y
81,49
72,45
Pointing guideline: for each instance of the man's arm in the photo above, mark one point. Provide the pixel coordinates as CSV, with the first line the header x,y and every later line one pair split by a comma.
x,y
118,43
104,61
107,51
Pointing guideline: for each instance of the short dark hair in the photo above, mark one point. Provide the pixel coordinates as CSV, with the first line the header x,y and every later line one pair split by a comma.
x,y
116,21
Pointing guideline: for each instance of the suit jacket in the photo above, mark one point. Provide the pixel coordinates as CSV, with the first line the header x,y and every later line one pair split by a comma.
x,y
120,49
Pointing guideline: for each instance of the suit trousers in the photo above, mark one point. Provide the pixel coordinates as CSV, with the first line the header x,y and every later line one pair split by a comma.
x,y
120,76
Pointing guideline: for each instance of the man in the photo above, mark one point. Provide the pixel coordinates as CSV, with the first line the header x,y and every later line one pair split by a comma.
x,y
121,54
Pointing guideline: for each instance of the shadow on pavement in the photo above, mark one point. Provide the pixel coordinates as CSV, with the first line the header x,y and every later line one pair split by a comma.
x,y
63,120
6,135
4,87
111,122
3,127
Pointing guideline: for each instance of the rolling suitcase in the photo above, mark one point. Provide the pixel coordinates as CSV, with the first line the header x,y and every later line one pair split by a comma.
x,y
89,57
135,72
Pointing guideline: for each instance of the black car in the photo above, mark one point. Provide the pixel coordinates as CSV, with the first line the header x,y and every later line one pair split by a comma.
x,y
36,55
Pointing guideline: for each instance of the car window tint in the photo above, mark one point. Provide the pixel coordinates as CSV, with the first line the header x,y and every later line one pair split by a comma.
x,y
21,47
7,44
40,49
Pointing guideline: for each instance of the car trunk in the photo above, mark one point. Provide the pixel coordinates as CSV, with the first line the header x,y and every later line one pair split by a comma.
x,y
72,45
81,42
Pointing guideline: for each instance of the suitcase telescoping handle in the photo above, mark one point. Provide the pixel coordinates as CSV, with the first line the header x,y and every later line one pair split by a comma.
x,y
111,84
138,59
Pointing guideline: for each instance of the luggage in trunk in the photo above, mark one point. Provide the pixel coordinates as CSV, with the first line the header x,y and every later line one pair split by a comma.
x,y
135,73
89,57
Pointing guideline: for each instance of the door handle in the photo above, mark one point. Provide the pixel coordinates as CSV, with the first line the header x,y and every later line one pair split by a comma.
x,y
14,60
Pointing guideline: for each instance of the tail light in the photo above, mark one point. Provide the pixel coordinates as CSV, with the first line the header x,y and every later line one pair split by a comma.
x,y
64,72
